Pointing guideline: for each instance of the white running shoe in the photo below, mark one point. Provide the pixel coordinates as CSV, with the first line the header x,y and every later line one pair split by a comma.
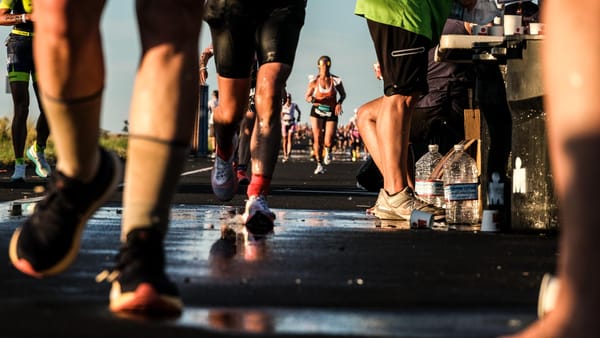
x,y
327,159
258,218
19,174
224,179
42,168
319,169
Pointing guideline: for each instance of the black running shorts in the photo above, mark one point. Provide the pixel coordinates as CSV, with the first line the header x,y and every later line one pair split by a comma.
x,y
19,58
241,28
403,57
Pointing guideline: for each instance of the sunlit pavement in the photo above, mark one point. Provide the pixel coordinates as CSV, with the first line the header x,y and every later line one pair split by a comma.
x,y
324,272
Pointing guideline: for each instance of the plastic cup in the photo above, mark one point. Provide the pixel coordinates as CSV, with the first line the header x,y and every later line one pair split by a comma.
x,y
497,30
420,220
512,24
490,220
536,28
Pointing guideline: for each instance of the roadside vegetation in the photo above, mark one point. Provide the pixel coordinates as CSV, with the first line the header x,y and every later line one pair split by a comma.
x,y
114,142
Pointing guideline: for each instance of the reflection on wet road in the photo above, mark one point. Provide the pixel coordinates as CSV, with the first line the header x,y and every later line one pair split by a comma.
x,y
330,273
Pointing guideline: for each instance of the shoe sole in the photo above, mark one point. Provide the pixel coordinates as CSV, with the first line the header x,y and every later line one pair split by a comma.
x,y
225,195
260,224
38,165
25,267
144,299
388,215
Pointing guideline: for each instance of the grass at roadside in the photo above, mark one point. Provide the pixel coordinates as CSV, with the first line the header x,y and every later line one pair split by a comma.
x,y
114,142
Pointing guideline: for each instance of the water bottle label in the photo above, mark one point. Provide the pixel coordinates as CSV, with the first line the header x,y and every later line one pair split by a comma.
x,y
429,188
460,192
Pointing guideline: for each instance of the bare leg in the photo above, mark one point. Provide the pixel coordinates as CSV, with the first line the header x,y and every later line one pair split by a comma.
x,y
367,120
267,129
41,127
70,86
233,103
330,129
162,110
317,128
393,131
289,141
20,95
246,129
573,104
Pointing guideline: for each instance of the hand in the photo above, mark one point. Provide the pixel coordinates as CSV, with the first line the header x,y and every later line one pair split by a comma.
x,y
203,75
338,109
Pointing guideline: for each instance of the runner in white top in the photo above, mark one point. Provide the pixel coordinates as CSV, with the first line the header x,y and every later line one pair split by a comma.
x,y
288,125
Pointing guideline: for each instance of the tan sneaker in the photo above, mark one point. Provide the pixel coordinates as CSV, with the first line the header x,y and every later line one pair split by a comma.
x,y
371,210
401,205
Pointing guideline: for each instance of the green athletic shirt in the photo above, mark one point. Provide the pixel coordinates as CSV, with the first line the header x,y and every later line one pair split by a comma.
x,y
422,17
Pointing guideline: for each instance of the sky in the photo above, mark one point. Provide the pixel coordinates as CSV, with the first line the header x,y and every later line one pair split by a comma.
x,y
330,28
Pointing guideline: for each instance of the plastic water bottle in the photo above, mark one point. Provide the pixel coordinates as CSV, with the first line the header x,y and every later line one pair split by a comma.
x,y
429,190
460,188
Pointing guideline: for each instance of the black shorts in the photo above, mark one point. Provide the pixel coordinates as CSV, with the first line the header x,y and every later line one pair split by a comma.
x,y
19,55
403,58
314,112
242,28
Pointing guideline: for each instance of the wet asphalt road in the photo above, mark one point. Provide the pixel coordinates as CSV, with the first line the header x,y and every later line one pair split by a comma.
x,y
327,271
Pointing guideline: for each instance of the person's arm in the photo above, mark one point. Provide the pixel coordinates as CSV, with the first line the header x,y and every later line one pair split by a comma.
x,y
8,19
340,89
299,113
205,56
309,92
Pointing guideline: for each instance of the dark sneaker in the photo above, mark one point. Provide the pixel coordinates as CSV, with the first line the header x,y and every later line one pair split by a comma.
x,y
224,179
48,242
139,283
257,217
402,204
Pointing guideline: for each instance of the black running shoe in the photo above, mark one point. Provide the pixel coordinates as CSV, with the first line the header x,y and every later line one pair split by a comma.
x,y
48,242
139,282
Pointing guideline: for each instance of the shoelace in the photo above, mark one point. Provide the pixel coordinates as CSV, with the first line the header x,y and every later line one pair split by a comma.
x,y
262,203
127,255
222,169
56,196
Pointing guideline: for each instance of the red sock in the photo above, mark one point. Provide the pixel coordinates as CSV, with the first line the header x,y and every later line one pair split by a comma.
x,y
259,185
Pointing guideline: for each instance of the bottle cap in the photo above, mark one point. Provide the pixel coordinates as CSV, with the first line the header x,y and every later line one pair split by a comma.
x,y
459,147
433,147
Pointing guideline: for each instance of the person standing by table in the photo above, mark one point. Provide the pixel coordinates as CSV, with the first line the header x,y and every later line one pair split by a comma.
x,y
17,13
401,47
